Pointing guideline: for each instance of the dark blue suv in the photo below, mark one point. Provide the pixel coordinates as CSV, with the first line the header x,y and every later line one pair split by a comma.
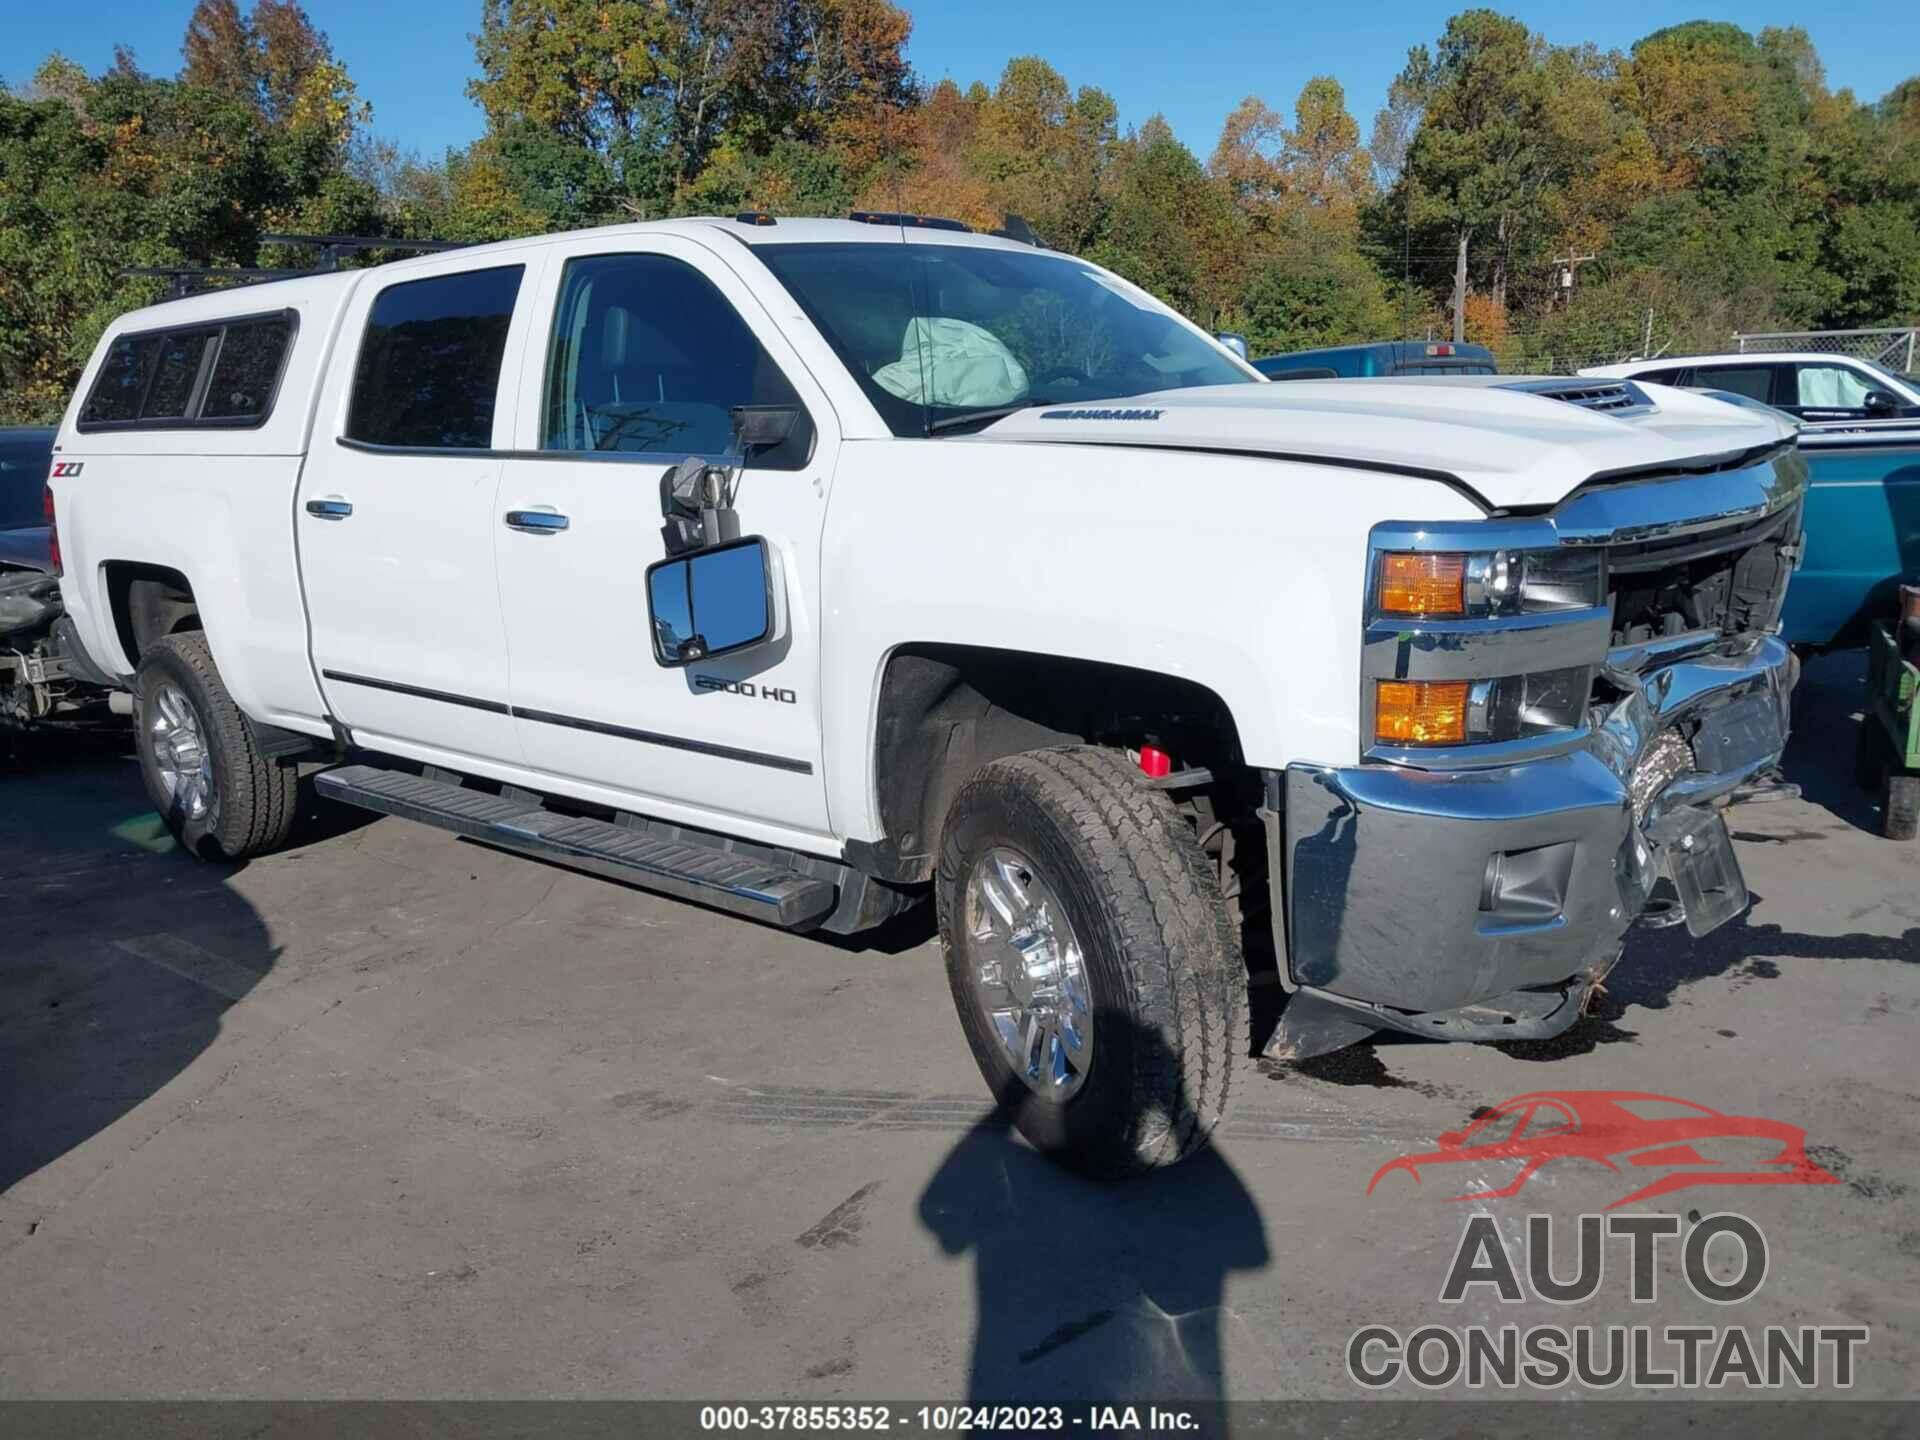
x,y
1386,357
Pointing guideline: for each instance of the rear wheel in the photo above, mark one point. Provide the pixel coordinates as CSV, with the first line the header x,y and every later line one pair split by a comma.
x,y
219,795
1092,959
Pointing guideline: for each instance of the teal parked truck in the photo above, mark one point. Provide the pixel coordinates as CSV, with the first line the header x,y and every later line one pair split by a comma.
x,y
1862,530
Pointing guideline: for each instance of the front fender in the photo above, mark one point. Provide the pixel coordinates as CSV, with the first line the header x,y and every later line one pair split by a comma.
x,y
1244,575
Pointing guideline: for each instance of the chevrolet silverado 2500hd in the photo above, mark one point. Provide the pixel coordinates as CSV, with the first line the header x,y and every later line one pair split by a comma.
x,y
809,569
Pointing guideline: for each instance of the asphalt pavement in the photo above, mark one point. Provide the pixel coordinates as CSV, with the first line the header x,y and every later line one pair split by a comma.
x,y
392,1114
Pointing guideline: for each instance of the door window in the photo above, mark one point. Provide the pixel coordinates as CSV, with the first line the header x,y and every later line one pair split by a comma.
x,y
1753,381
429,369
1830,387
649,358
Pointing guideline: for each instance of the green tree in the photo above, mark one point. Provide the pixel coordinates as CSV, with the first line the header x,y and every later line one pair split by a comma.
x,y
1302,300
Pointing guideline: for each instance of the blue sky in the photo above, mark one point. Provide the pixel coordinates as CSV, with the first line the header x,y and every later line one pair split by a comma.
x,y
1191,60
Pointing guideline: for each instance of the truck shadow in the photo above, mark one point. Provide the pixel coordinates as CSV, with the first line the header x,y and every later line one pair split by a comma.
x,y
121,953
1828,712
1660,963
1088,1291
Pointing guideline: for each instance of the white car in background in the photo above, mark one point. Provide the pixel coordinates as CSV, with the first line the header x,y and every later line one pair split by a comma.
x,y
1806,384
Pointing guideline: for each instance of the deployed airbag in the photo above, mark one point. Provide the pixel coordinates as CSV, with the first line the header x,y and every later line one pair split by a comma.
x,y
955,363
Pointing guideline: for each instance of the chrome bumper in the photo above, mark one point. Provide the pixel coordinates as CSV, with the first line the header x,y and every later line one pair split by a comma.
x,y
1486,903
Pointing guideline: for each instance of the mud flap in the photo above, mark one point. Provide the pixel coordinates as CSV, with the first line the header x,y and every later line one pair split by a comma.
x,y
1699,859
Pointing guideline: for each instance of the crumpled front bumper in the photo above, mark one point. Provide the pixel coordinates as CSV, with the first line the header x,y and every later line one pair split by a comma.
x,y
1485,904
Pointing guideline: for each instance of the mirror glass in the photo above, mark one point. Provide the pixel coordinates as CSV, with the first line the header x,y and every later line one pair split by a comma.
x,y
1234,342
709,603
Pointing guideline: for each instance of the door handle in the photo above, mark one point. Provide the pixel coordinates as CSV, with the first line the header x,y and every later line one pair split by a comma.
x,y
536,522
331,509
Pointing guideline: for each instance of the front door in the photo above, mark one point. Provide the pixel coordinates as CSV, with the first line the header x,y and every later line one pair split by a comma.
x,y
648,347
1837,392
395,516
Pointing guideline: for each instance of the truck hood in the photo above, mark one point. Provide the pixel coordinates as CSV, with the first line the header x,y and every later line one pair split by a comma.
x,y
1513,441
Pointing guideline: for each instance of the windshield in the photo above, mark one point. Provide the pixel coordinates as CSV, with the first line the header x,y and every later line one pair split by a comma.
x,y
936,333
1901,381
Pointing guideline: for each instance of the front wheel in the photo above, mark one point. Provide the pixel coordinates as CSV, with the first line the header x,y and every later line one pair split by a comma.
x,y
219,795
1092,959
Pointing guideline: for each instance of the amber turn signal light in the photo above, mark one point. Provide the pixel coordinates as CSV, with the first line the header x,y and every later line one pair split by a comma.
x,y
1421,712
1423,584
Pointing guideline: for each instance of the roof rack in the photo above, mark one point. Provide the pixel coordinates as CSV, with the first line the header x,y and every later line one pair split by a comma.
x,y
1015,227
185,280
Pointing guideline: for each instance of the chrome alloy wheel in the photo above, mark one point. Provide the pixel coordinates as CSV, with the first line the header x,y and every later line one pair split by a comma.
x,y
180,752
1029,974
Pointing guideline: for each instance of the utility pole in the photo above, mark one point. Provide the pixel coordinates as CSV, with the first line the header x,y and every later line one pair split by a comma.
x,y
1567,264
1406,261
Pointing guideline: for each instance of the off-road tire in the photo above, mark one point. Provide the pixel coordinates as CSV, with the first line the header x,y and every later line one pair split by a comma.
x,y
1900,806
1167,982
252,805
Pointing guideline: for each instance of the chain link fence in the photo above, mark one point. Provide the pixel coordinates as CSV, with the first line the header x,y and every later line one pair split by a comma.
x,y
1893,348
1543,349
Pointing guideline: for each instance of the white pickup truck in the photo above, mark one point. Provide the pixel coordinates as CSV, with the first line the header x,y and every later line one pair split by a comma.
x,y
812,569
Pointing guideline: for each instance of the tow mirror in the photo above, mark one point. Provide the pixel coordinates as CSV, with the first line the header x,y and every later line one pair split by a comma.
x,y
712,602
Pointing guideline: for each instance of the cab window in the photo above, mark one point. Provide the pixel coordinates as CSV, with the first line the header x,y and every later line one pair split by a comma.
x,y
1753,381
428,375
216,375
649,358
1674,375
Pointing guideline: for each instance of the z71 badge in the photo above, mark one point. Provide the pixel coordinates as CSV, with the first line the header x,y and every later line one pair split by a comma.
x,y
746,688
65,469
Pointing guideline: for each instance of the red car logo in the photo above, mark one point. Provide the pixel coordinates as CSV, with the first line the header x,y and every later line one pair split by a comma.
x,y
1622,1127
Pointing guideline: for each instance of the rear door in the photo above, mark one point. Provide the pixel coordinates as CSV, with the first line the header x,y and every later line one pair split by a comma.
x,y
396,511
644,346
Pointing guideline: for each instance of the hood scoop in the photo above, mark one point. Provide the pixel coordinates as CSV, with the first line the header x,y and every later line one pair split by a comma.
x,y
1609,397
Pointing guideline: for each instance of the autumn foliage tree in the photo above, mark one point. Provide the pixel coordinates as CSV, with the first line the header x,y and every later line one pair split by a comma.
x,y
1712,175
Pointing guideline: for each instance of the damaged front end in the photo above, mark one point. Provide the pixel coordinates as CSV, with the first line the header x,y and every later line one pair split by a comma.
x,y
1620,680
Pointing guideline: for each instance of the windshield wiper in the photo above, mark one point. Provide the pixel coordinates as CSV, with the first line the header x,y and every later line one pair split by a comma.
x,y
979,417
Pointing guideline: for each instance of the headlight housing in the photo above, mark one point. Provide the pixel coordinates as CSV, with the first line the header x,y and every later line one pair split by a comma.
x,y
1479,652
1465,712
1432,585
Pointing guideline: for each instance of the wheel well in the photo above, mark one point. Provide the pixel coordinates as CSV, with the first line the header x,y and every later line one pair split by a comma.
x,y
148,603
946,710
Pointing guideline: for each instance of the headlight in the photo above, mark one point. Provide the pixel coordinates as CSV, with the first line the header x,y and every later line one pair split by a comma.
x,y
1455,712
1421,712
1457,585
